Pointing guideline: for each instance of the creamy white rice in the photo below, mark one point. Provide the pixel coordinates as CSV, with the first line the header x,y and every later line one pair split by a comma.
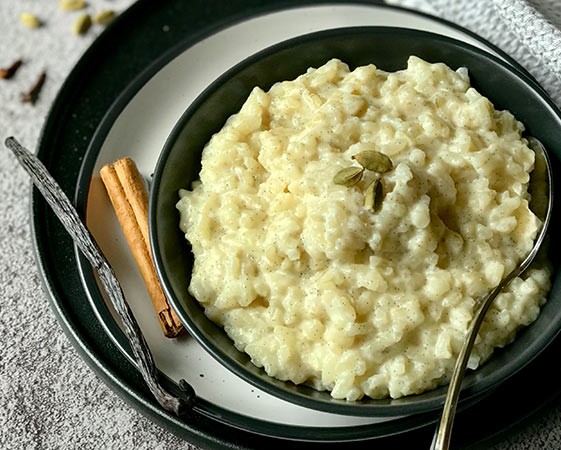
x,y
317,288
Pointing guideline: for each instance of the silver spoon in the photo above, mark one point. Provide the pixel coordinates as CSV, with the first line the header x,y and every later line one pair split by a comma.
x,y
541,186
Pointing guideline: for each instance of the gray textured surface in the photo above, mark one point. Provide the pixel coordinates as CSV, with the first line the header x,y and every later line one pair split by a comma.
x,y
49,398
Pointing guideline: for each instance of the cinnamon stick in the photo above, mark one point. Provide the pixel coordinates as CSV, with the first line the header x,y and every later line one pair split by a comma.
x,y
129,197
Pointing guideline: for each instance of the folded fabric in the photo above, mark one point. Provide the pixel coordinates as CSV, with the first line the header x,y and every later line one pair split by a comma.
x,y
527,30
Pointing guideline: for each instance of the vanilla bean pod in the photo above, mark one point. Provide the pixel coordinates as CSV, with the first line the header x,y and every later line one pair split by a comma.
x,y
69,218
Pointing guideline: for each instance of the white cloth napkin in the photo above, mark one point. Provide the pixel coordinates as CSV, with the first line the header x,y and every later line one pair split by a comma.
x,y
527,30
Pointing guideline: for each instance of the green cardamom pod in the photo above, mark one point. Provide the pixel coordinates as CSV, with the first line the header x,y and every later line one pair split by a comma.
x,y
104,17
349,176
373,195
374,161
82,24
72,5
29,20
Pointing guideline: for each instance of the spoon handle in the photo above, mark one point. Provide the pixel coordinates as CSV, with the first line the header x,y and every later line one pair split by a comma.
x,y
443,434
69,218
441,440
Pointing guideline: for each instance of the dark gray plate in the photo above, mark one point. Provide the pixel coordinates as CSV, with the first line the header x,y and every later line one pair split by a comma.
x,y
127,54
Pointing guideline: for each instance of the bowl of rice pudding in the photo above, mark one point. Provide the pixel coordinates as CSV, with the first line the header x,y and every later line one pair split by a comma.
x,y
326,215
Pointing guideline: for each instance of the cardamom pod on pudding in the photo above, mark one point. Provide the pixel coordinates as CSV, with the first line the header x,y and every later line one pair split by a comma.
x,y
373,160
349,176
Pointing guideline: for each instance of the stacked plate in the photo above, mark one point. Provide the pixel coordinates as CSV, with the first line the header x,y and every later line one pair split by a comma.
x,y
133,115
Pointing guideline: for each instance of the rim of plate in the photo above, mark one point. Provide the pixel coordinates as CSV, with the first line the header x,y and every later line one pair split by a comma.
x,y
135,86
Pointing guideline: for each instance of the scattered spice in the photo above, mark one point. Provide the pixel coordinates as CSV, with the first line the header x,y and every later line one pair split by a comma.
x,y
373,195
370,194
369,160
103,17
374,161
29,20
33,94
9,72
349,176
82,24
72,5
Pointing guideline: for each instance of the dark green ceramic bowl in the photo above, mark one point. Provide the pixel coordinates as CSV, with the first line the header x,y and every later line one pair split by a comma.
x,y
388,48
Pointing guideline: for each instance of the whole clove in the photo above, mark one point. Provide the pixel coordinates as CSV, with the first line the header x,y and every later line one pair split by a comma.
x,y
32,95
9,72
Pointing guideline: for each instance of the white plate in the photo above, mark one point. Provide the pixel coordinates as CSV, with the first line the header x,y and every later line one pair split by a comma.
x,y
140,130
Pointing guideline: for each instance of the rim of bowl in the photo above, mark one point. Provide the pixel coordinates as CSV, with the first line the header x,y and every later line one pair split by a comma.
x,y
412,404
